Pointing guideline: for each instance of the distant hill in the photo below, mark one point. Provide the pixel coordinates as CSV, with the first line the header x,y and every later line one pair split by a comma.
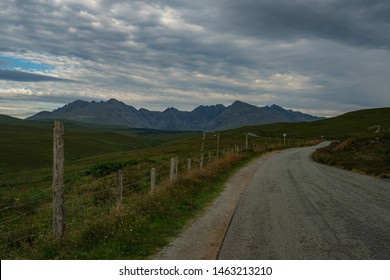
x,y
204,118
359,123
4,119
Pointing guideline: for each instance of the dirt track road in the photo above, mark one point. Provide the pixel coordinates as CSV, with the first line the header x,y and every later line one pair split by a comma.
x,y
293,208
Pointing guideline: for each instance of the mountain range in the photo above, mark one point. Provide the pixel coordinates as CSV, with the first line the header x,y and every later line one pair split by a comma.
x,y
203,118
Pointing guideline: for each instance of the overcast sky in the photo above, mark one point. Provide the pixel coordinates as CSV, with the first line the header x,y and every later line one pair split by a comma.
x,y
323,57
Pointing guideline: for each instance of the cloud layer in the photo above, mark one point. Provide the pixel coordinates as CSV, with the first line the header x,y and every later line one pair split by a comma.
x,y
321,57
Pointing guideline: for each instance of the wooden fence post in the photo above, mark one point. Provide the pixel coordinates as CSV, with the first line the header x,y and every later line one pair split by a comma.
x,y
189,165
176,167
172,172
120,189
218,146
202,151
152,179
58,181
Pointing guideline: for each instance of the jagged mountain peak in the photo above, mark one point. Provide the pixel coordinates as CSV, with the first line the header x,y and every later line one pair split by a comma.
x,y
113,101
206,118
239,103
209,109
274,106
171,110
77,103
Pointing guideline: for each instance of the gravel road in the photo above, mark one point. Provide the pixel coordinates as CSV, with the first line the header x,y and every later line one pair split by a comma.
x,y
294,208
285,206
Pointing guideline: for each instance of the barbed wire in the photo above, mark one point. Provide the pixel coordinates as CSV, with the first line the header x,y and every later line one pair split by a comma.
x,y
24,227
4,221
18,205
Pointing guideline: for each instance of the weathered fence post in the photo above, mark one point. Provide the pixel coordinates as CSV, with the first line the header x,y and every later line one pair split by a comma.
x,y
172,172
202,151
120,189
176,167
152,179
189,165
218,146
58,181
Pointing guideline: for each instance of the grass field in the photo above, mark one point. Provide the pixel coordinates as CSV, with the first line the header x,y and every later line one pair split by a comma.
x,y
27,145
95,227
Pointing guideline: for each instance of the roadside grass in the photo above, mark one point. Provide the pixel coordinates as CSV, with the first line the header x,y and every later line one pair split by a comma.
x,y
138,232
143,224
369,155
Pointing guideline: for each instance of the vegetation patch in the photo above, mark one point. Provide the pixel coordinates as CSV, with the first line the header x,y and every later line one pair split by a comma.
x,y
369,155
140,227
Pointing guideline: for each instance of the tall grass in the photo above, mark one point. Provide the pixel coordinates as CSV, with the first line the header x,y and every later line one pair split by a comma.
x,y
137,229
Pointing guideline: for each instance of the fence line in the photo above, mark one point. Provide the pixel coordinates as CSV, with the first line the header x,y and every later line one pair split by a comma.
x,y
109,180
19,205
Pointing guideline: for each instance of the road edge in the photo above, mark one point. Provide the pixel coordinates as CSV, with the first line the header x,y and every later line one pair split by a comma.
x,y
202,238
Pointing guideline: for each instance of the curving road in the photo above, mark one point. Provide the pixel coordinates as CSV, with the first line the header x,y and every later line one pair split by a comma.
x,y
293,208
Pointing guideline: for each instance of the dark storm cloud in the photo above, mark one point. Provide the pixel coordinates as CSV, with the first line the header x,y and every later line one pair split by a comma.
x,y
354,22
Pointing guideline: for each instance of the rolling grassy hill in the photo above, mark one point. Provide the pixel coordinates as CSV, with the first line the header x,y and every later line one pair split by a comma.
x,y
358,123
26,145
359,147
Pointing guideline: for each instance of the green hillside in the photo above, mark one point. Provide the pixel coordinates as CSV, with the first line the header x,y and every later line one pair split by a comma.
x,y
363,139
4,119
26,145
358,123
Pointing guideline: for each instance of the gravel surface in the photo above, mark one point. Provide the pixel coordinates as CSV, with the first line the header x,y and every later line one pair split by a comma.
x,y
203,237
294,208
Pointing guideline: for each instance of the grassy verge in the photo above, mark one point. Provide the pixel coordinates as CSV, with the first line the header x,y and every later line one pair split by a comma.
x,y
144,223
137,232
368,155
